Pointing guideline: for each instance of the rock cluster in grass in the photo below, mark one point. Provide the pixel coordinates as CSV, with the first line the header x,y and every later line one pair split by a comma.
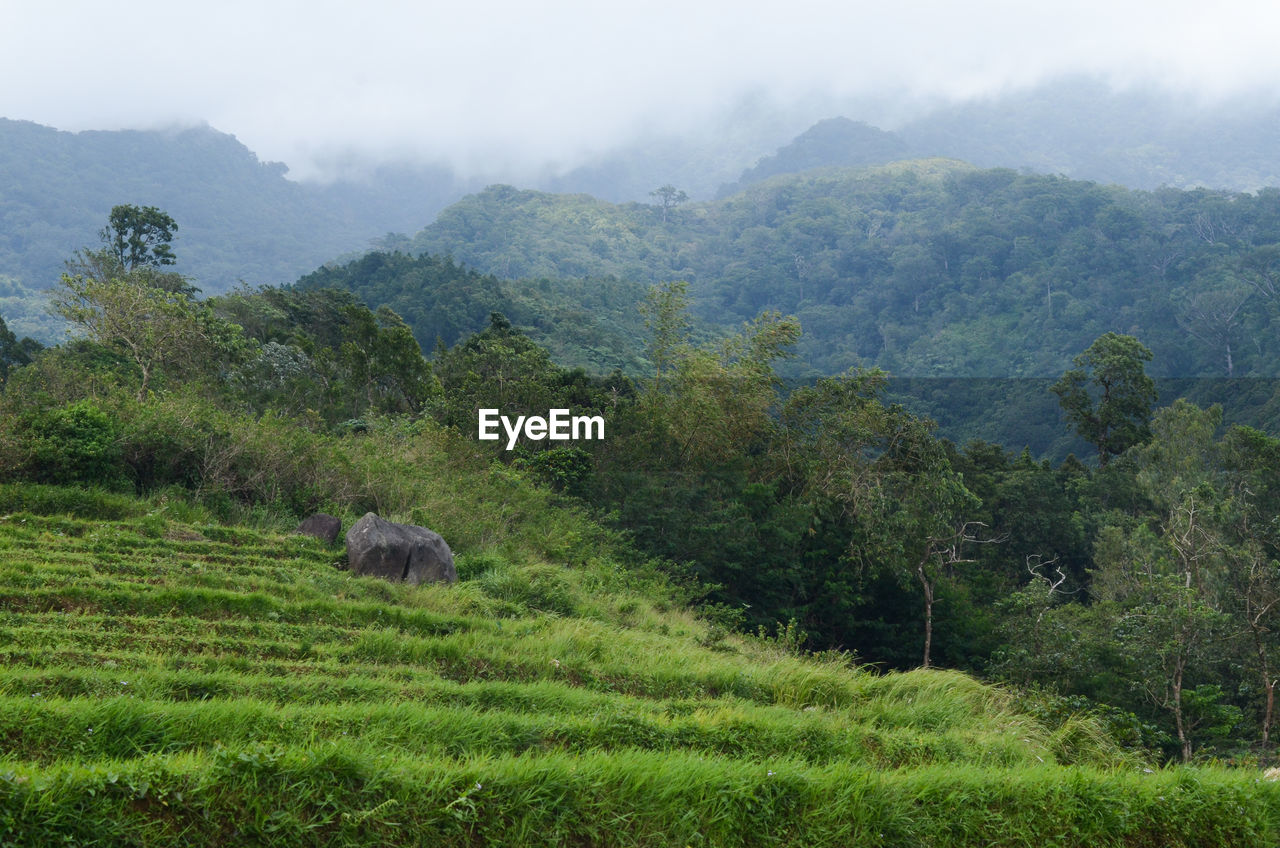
x,y
398,552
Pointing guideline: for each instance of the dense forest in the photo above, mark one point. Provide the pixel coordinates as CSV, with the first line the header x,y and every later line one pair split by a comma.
x,y
241,218
925,269
245,220
591,323
1137,582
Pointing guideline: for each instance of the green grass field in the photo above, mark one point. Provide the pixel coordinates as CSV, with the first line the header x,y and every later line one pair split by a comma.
x,y
167,680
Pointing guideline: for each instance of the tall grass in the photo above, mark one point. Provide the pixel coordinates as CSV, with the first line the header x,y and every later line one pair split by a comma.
x,y
165,679
344,794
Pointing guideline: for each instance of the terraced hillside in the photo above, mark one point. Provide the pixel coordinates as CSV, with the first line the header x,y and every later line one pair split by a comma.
x,y
167,680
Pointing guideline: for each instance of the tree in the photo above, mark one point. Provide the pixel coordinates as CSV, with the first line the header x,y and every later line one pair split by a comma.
x,y
151,326
880,472
1214,316
122,299
667,320
1173,573
926,519
136,244
14,353
139,236
1252,462
1108,396
383,362
669,197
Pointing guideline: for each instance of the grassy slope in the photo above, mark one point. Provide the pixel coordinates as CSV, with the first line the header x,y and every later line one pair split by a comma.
x,y
166,679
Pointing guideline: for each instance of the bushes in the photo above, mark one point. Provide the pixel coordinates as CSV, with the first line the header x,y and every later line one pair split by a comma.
x,y
271,470
74,444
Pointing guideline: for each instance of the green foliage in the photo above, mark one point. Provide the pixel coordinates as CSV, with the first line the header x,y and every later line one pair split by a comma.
x,y
929,268
74,444
321,354
502,368
1108,396
567,469
439,299
139,236
1182,590
157,329
14,353
587,323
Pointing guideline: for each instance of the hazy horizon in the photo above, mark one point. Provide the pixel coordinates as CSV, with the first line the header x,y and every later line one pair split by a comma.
x,y
504,87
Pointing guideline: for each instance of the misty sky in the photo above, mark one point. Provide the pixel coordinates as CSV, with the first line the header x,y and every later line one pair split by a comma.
x,y
490,84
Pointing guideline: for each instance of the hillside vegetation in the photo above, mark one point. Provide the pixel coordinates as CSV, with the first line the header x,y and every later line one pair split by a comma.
x,y
168,678
698,629
931,268
241,218
594,323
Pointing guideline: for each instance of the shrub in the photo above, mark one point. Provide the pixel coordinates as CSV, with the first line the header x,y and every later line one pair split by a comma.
x,y
75,444
565,470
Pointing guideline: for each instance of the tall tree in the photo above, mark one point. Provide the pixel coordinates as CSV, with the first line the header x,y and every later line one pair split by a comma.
x,y
669,197
153,327
1108,396
122,300
881,473
135,244
139,236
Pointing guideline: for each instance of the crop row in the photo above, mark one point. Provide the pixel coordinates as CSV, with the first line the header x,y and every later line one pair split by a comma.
x,y
124,727
345,793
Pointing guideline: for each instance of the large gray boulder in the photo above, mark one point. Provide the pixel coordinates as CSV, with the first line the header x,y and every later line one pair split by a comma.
x,y
398,552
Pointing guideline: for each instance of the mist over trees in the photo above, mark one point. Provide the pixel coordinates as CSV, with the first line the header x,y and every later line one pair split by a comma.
x,y
756,447
243,219
928,269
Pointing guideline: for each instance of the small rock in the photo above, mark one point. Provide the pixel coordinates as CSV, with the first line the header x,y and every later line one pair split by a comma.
x,y
321,526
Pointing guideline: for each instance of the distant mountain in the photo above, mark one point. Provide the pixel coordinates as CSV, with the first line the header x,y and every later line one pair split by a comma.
x,y
1079,128
929,268
698,157
832,143
242,219
238,218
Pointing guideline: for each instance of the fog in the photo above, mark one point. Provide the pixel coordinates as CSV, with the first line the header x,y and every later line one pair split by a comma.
x,y
517,87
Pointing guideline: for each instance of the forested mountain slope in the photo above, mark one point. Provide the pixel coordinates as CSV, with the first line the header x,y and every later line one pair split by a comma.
x,y
1136,137
929,268
591,323
240,218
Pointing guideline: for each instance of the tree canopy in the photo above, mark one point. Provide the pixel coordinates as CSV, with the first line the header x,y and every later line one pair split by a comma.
x,y
1108,396
139,236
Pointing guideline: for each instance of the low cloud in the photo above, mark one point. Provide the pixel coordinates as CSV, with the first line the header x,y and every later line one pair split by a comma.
x,y
506,86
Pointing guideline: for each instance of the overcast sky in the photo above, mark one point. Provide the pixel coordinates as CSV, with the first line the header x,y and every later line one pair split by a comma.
x,y
518,83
